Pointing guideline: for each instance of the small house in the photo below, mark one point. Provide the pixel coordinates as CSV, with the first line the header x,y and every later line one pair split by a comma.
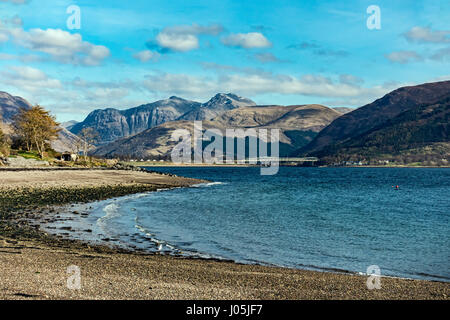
x,y
68,156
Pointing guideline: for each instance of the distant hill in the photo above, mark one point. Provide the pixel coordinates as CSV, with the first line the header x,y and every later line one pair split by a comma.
x,y
376,113
409,118
10,106
66,142
112,124
68,124
298,124
416,135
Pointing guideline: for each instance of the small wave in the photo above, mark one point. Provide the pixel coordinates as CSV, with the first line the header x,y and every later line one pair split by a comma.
x,y
160,244
165,189
208,184
111,211
137,195
143,230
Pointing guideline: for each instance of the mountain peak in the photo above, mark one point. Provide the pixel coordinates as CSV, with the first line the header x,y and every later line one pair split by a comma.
x,y
218,104
230,99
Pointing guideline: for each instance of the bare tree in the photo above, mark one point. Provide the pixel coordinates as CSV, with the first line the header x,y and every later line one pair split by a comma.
x,y
88,137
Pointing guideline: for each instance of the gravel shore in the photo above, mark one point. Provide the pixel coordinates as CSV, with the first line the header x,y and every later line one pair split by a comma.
x,y
34,264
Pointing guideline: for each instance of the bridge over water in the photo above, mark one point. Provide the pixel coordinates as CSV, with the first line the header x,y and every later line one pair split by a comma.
x,y
281,160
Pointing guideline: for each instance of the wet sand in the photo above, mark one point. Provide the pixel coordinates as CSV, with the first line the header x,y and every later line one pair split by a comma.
x,y
34,264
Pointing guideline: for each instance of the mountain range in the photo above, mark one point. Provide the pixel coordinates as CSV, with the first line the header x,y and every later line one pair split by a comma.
x,y
298,126
112,124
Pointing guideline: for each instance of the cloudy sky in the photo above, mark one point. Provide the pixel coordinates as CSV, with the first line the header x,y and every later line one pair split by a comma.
x,y
126,53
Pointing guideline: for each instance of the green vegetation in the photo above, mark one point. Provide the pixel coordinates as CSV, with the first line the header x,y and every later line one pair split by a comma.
x,y
29,155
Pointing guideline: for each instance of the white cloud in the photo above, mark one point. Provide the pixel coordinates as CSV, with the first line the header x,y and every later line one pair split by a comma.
x,y
442,55
4,33
26,58
185,38
106,94
16,1
145,55
247,40
16,21
6,24
179,84
61,45
195,29
3,37
178,42
350,79
426,35
69,99
266,57
251,84
7,56
12,22
28,79
403,56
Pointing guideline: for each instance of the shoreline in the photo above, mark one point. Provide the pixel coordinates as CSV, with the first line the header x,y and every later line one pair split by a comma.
x,y
149,164
192,278
70,226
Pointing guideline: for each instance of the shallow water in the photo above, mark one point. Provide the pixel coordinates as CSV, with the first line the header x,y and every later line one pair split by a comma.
x,y
311,218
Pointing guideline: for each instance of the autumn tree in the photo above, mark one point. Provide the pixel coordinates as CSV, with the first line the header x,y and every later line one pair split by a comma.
x,y
4,144
36,127
5,141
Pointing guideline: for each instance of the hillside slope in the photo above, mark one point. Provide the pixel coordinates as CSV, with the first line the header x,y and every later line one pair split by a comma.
x,y
421,134
10,105
368,117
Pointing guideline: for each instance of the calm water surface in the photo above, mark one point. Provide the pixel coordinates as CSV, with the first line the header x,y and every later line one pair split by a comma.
x,y
310,218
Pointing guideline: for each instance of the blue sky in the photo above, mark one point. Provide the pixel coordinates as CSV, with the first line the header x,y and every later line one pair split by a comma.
x,y
275,52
